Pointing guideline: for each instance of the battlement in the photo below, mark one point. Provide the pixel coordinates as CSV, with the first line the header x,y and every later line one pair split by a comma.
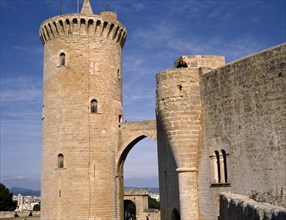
x,y
201,61
103,25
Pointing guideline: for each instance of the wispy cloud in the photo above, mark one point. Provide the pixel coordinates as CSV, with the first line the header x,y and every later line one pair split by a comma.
x,y
20,127
21,89
32,182
169,37
5,178
35,51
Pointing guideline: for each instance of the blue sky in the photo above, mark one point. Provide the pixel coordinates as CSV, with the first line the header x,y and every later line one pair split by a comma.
x,y
158,33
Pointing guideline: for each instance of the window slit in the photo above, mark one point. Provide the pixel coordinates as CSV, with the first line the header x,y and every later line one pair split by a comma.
x,y
60,161
93,106
218,166
225,165
62,59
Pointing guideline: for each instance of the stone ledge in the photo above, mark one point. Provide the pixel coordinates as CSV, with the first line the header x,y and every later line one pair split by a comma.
x,y
240,207
213,185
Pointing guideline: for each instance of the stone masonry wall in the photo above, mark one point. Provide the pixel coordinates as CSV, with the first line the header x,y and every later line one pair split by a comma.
x,y
140,199
84,187
179,111
244,114
179,135
238,207
22,215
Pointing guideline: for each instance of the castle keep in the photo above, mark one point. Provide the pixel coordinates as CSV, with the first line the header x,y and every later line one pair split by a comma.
x,y
219,127
84,141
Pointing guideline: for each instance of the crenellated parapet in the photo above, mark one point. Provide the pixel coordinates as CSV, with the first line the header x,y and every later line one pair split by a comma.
x,y
196,61
104,25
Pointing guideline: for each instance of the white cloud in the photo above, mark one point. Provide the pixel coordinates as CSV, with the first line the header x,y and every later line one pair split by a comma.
x,y
20,116
5,178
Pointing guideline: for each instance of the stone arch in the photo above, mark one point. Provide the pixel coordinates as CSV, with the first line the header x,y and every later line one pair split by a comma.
x,y
131,134
122,155
125,150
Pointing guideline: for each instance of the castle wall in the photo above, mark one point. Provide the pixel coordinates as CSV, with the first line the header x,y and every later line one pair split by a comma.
x,y
179,136
168,176
244,113
140,199
238,207
179,111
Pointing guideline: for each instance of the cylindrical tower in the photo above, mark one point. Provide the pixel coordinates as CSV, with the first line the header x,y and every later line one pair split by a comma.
x,y
179,128
82,109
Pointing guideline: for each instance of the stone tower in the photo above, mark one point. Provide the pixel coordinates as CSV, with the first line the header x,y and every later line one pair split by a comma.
x,y
179,128
82,110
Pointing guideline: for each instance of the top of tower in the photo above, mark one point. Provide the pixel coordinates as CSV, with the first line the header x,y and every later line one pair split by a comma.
x,y
104,24
197,61
86,8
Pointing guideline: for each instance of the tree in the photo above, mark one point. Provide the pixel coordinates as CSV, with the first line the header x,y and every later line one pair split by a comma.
x,y
153,203
37,207
6,199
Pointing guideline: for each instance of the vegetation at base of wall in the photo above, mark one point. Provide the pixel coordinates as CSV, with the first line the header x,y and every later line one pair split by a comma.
x,y
153,203
6,199
277,198
37,207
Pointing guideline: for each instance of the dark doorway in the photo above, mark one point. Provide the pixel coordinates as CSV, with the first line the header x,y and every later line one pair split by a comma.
x,y
176,215
129,210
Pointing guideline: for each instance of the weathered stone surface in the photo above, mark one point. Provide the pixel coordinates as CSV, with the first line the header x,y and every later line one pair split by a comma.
x,y
238,207
210,112
179,115
82,65
219,127
244,111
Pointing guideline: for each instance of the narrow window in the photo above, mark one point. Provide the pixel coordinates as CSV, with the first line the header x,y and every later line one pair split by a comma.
x,y
120,118
118,74
62,59
224,165
60,161
218,166
93,106
43,112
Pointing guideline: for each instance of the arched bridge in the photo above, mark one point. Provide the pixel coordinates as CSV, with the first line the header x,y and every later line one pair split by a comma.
x,y
131,134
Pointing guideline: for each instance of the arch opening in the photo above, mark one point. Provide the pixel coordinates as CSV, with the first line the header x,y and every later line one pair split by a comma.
x,y
62,59
121,165
141,165
129,210
93,106
60,161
